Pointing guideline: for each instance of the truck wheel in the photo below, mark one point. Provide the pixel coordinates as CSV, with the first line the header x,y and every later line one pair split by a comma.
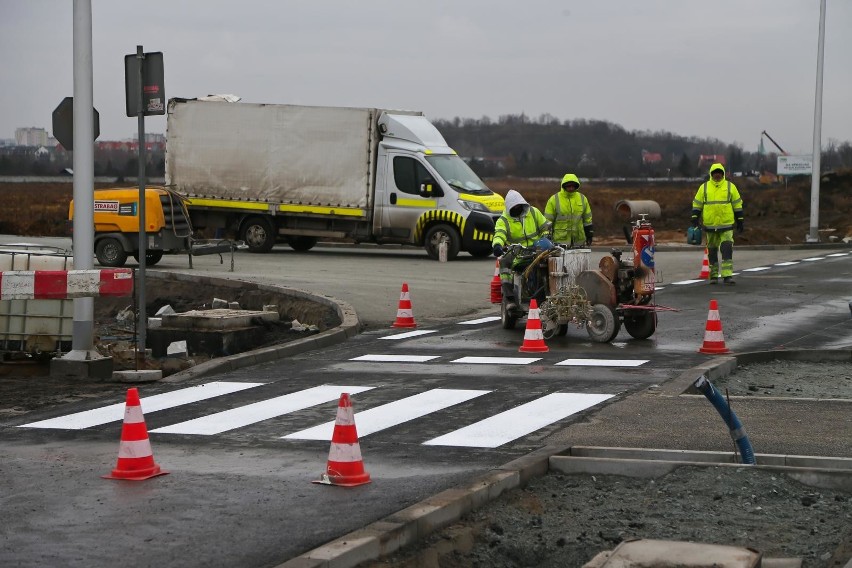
x,y
604,324
259,234
109,252
152,257
302,244
641,325
436,234
507,320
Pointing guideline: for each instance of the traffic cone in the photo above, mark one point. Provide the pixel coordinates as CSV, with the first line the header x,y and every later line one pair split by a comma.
x,y
705,267
714,342
135,458
496,285
533,337
404,317
345,466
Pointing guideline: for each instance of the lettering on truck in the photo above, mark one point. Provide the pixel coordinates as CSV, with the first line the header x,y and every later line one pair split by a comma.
x,y
106,206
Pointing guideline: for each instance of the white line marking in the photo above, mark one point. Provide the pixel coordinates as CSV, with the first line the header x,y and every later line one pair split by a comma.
x,y
813,258
409,334
258,411
658,288
520,421
839,254
789,263
481,320
393,413
497,360
602,362
113,412
758,269
682,282
396,358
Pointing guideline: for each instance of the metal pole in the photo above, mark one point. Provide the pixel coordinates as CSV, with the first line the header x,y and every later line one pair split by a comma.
x,y
82,340
813,232
141,318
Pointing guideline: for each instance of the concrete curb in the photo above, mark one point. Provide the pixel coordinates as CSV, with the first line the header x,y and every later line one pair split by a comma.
x,y
386,536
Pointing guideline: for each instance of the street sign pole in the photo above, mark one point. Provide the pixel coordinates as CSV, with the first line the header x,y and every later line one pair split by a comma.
x,y
141,317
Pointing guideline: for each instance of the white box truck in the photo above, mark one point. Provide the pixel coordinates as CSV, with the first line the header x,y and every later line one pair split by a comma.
x,y
284,173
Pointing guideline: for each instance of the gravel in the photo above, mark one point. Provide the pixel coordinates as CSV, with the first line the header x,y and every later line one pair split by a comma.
x,y
561,520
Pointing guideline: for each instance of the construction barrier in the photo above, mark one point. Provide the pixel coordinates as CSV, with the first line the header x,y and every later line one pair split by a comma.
x,y
65,284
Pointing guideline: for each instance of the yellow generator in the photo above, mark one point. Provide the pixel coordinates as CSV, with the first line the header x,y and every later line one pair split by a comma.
x,y
116,217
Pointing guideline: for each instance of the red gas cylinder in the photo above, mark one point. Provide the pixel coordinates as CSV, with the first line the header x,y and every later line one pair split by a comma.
x,y
643,258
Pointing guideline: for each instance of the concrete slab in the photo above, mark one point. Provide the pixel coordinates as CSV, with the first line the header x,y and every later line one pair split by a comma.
x,y
649,553
218,319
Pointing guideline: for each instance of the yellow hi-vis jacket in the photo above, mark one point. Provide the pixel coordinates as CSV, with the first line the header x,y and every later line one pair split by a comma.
x,y
525,230
718,203
570,213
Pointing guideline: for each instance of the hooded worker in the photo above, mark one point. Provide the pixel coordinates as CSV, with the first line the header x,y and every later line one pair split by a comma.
x,y
520,224
719,208
570,213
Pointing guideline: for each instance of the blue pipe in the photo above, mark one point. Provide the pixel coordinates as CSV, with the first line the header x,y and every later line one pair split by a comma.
x,y
734,425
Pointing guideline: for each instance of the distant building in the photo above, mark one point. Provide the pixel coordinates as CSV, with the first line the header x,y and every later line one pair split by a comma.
x,y
707,160
651,157
31,136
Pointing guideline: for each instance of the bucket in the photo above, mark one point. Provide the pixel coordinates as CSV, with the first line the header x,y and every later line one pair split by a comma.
x,y
565,267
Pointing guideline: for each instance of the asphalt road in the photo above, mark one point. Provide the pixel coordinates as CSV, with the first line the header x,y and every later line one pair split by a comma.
x,y
239,492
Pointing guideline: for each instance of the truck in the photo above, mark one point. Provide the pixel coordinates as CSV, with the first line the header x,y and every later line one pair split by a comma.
x,y
277,173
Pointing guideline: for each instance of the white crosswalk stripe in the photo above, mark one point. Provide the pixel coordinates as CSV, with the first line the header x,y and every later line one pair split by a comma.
x,y
258,411
602,362
510,425
393,413
114,412
497,360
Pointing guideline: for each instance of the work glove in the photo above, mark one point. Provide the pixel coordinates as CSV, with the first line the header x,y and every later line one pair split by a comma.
x,y
695,221
497,250
740,226
590,233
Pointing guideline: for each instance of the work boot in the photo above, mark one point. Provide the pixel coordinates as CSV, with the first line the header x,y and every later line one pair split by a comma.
x,y
729,280
713,280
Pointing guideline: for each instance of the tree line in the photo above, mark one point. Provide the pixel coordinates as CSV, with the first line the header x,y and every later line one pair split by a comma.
x,y
515,145
545,146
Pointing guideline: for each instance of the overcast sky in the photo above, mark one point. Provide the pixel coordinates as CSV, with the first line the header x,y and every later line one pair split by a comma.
x,y
727,69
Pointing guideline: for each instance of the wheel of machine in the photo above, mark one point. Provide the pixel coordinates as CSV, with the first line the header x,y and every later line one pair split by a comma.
x,y
563,330
109,252
604,324
302,244
152,257
259,234
641,325
507,320
436,234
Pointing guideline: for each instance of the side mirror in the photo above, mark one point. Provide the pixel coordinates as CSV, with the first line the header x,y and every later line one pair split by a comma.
x,y
428,189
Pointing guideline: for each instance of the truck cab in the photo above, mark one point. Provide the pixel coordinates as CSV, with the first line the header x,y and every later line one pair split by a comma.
x,y
426,194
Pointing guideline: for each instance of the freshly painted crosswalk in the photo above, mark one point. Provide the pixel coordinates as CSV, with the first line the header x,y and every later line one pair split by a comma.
x,y
394,413
259,411
512,424
114,412
492,432
470,360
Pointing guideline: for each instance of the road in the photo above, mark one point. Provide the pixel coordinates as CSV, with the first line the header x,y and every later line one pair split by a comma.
x,y
433,409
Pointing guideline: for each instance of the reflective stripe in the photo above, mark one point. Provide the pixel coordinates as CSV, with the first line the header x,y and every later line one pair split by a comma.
x,y
137,449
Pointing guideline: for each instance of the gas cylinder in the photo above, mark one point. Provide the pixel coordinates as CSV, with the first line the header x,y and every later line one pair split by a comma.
x,y
643,257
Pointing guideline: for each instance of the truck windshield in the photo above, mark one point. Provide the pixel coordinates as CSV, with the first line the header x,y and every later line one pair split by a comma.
x,y
458,174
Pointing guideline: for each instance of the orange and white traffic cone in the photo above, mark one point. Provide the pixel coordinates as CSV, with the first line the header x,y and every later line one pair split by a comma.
x,y
404,317
533,337
496,285
705,267
714,341
345,466
135,458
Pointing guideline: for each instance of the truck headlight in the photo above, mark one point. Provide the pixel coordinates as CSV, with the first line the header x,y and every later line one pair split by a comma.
x,y
473,206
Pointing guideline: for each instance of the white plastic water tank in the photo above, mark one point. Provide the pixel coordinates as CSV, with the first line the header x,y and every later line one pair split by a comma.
x,y
35,326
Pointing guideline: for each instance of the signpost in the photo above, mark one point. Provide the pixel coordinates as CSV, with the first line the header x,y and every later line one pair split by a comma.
x,y
145,95
795,165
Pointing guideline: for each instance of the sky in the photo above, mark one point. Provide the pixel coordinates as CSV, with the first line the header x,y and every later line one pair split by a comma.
x,y
727,69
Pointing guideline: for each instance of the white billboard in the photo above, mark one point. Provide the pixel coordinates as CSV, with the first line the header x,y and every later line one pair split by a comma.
x,y
795,165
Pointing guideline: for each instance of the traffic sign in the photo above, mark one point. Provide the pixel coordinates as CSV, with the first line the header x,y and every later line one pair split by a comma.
x,y
63,123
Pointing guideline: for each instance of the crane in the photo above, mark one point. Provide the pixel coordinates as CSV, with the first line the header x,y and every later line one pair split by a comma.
x,y
764,133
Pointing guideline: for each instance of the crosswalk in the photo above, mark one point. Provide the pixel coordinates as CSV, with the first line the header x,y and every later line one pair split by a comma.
x,y
491,432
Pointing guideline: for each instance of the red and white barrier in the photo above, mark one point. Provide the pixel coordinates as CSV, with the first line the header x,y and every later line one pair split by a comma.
x,y
63,284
